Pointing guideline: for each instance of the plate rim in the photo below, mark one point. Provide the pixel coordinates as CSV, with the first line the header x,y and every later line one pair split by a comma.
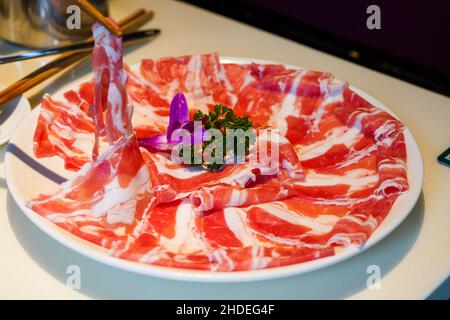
x,y
100,255
23,101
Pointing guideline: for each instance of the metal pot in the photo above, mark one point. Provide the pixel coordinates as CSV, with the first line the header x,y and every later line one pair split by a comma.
x,y
43,23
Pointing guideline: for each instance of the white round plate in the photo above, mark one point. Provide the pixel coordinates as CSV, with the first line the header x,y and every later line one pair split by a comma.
x,y
11,114
25,182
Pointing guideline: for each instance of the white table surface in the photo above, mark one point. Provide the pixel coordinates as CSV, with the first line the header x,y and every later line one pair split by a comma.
x,y
414,260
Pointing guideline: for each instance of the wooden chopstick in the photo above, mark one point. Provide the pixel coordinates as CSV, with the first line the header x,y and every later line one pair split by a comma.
x,y
54,66
67,60
94,13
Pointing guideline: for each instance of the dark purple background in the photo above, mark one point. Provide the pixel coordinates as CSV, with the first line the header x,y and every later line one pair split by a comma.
x,y
414,30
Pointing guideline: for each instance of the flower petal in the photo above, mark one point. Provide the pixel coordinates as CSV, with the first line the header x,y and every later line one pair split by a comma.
x,y
196,130
179,113
156,142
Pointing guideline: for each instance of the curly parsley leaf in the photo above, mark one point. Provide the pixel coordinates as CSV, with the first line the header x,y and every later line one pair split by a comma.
x,y
223,118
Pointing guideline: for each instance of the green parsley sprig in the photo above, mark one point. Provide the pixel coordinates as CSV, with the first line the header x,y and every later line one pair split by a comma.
x,y
223,118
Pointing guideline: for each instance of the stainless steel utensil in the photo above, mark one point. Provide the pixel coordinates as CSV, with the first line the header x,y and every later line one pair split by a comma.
x,y
42,23
77,47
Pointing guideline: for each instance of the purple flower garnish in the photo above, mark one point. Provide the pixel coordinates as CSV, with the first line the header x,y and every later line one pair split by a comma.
x,y
178,115
178,119
156,142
